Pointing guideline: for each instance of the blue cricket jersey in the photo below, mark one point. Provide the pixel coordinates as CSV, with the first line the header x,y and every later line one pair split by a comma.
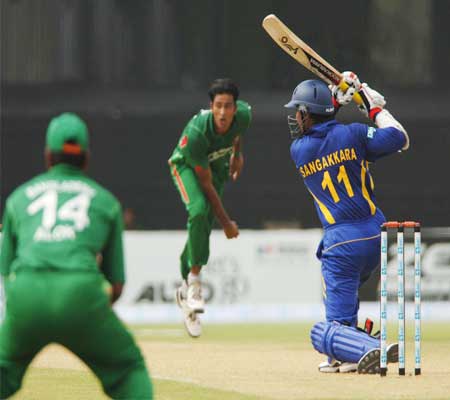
x,y
333,160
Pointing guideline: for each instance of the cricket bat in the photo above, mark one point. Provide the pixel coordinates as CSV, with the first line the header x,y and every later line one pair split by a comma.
x,y
304,54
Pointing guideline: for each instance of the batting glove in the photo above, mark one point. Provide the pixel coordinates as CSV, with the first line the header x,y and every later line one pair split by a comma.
x,y
341,97
373,102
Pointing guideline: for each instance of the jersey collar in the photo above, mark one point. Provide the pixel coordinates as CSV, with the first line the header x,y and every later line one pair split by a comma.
x,y
321,130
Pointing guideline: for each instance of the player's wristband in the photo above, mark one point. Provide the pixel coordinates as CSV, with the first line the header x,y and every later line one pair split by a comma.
x,y
374,112
335,103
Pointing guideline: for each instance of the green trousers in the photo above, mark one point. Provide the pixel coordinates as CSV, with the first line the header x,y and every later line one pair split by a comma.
x,y
200,216
72,309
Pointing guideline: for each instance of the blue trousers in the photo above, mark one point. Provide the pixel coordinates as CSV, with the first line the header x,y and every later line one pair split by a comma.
x,y
349,253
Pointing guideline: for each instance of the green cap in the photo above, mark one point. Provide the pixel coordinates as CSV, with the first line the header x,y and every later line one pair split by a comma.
x,y
67,133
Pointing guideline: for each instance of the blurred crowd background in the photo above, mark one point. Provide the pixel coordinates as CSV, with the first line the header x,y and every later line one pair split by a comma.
x,y
137,70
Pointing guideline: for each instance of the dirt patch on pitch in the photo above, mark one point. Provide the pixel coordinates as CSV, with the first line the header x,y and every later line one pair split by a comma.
x,y
288,372
284,372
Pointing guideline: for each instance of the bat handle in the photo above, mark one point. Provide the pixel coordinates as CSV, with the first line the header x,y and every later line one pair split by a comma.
x,y
356,97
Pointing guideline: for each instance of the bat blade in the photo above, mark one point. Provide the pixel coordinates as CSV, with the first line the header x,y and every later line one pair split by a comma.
x,y
302,53
299,50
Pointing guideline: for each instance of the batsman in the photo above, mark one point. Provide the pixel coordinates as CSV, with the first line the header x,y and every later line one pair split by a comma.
x,y
208,153
333,160
62,264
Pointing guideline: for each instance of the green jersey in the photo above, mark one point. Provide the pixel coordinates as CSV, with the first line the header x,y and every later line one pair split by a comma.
x,y
200,145
63,220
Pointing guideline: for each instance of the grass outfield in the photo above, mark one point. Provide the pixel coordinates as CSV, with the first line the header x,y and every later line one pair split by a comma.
x,y
244,362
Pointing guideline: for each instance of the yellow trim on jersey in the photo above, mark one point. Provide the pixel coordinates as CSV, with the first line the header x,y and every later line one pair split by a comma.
x,y
364,190
325,211
372,184
324,288
350,241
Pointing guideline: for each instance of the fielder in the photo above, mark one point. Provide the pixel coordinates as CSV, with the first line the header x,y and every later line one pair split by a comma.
x,y
208,153
333,160
62,264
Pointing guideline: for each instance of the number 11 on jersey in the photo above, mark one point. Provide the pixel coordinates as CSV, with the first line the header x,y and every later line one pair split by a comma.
x,y
342,176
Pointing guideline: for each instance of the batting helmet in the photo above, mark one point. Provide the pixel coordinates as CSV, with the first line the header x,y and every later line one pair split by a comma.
x,y
314,95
